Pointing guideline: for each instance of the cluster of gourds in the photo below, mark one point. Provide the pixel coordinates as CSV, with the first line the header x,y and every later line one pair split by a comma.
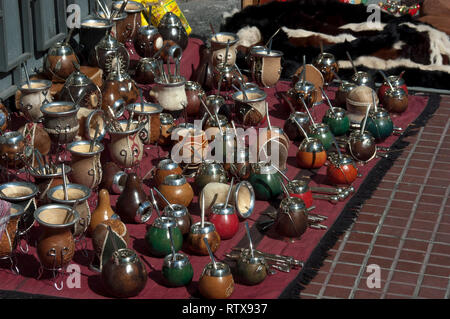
x,y
84,114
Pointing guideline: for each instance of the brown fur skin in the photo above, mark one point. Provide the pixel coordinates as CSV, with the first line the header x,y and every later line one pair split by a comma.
x,y
326,16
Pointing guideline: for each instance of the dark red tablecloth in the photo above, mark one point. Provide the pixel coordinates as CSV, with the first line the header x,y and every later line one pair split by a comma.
x,y
91,285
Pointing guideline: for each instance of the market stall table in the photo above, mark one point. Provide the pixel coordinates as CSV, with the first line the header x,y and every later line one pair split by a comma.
x,y
272,287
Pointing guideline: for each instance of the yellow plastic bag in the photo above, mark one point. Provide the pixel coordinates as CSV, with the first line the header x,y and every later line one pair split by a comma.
x,y
147,4
160,8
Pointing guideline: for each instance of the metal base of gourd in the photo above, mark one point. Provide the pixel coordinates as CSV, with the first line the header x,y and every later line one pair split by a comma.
x,y
13,263
56,275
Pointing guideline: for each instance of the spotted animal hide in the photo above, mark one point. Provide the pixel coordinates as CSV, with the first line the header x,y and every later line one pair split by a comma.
x,y
392,45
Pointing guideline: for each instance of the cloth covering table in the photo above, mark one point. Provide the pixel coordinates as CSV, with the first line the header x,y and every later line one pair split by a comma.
x,y
272,287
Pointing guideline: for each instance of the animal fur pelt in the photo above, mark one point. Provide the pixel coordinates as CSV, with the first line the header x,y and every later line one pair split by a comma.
x,y
394,45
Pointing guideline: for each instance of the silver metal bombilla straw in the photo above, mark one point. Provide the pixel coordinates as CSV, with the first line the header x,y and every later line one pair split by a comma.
x,y
386,79
328,100
301,129
172,245
250,242
155,203
27,77
363,126
229,192
351,62
211,255
164,198
271,38
307,111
